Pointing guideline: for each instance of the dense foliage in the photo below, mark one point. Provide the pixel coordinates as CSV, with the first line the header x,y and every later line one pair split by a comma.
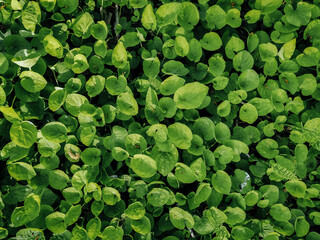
x,y
137,119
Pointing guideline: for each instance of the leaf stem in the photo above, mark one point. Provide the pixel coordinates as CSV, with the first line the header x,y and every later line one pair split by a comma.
x,y
117,20
13,100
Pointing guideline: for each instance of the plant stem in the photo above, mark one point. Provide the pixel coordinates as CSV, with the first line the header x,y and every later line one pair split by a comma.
x,y
117,20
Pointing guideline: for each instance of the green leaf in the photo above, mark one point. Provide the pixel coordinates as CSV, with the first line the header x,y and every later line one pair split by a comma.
x,y
79,233
55,222
280,212
158,197
295,106
91,156
268,148
72,215
190,95
203,193
4,65
3,233
235,45
58,179
48,4
180,218
248,80
32,81
127,104
181,46
224,154
184,173
263,106
97,207
312,30
180,135
310,57
148,18
166,159
21,171
73,103
101,49
252,198
19,217
287,49
252,16
119,154
224,109
119,56
243,61
80,64
23,58
268,6
143,165
248,113
220,83
99,30
151,67
221,132
170,85
233,18
55,132
296,188
52,46
285,228
135,211
195,50
301,226
57,99
168,13
110,195
72,195
211,41
93,227
267,51
112,233
142,225
188,16
138,3
216,17
216,65
31,16
241,233
82,24
68,7
299,16
173,67
32,205
95,85
135,144
115,85
204,127
308,84
235,215
24,134
221,182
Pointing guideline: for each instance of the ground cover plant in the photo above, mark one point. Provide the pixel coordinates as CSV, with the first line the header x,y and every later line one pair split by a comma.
x,y
137,119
